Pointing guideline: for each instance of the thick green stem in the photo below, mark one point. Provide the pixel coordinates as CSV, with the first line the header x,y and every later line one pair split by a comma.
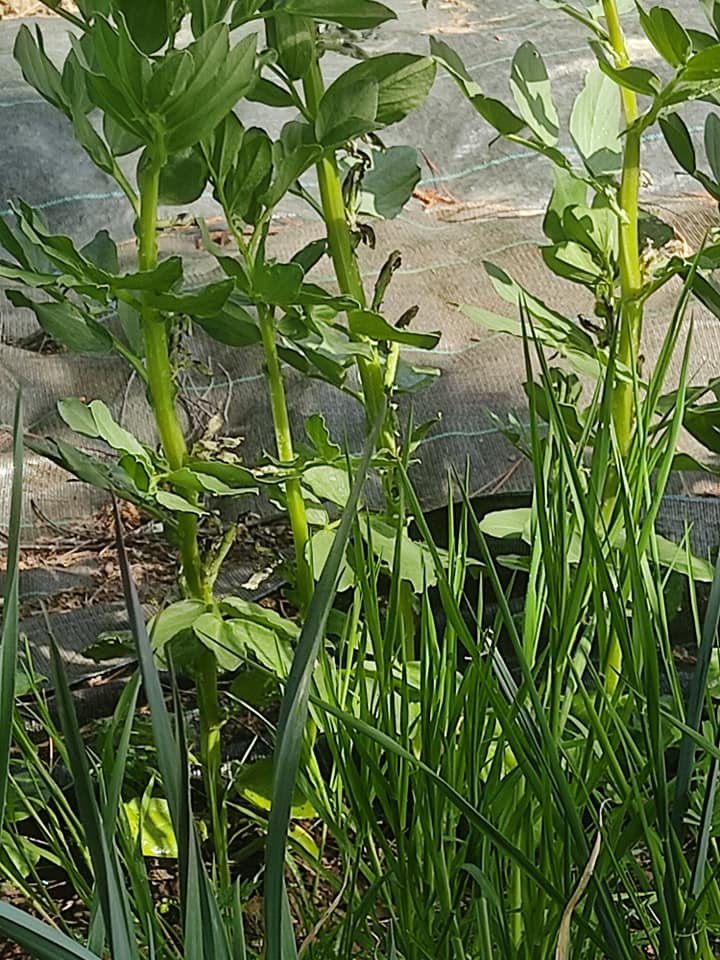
x,y
211,754
161,385
631,308
162,397
281,423
344,260
286,455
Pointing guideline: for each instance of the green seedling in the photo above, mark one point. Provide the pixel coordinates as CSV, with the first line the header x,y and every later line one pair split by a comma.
x,y
134,84
600,238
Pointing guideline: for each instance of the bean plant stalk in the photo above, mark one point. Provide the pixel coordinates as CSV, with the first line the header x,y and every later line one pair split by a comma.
x,y
285,447
344,260
630,318
375,382
196,582
630,272
286,454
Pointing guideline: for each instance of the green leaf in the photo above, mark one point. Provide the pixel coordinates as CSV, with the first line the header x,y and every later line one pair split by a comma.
x,y
149,822
39,939
222,77
121,140
206,302
289,165
321,543
229,473
595,124
712,143
242,189
146,22
239,608
254,783
68,326
207,12
235,326
167,275
293,39
403,80
60,249
98,473
177,504
9,630
573,262
669,37
704,65
278,283
93,144
75,85
115,435
355,14
494,111
328,483
712,12
37,68
230,640
183,177
507,524
637,79
367,323
531,89
498,115
95,420
121,72
102,252
78,416
319,435
346,111
568,192
565,333
171,621
451,61
311,254
269,93
389,183
677,137
416,564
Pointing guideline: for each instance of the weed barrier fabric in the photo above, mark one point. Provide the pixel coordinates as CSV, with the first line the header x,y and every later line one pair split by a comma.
x,y
480,199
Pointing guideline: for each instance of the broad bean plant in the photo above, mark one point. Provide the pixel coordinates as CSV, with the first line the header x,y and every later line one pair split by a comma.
x,y
166,83
599,237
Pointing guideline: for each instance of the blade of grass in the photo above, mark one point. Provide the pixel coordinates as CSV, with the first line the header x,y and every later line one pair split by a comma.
x,y
280,943
474,817
111,891
695,701
706,824
39,939
205,934
114,763
9,635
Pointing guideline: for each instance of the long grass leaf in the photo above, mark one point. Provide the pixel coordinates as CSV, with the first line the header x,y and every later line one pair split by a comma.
x,y
160,718
39,939
706,824
280,944
205,936
111,890
474,817
9,635
695,700
114,764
